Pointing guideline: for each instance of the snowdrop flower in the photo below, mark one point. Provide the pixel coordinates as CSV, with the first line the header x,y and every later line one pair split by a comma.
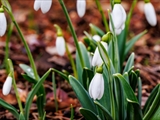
x,y
97,38
7,86
44,5
118,17
81,7
3,22
97,60
60,45
96,87
150,14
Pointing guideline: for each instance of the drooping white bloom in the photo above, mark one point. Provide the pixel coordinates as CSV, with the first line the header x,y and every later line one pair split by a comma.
x,y
44,5
96,87
118,17
60,45
97,60
3,24
150,14
81,7
7,86
96,38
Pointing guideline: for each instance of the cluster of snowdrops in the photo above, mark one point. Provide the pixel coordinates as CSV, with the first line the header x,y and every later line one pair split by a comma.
x,y
105,88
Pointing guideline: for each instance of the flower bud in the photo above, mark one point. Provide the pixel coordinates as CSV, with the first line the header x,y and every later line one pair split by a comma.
x,y
3,22
60,45
81,7
96,87
96,38
150,14
7,86
107,37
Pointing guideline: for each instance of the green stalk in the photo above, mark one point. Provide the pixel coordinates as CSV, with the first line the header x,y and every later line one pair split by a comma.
x,y
25,44
102,14
117,1
72,113
146,1
14,85
72,32
7,47
72,61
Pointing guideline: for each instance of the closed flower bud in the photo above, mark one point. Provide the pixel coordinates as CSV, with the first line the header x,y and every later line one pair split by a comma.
x,y
118,16
150,14
7,86
96,87
81,7
97,60
45,5
96,38
3,22
60,45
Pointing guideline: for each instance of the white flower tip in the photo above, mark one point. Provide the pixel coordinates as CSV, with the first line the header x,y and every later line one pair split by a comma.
x,y
150,14
7,86
60,46
81,7
3,24
96,38
37,5
45,6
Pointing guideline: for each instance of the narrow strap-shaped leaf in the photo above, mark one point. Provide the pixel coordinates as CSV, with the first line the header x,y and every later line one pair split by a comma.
x,y
105,111
134,111
139,90
130,63
97,30
133,78
154,106
88,114
131,42
33,92
29,79
82,94
10,108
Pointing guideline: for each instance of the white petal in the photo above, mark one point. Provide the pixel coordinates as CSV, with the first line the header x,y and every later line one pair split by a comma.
x,y
46,5
96,38
118,31
123,14
7,86
105,45
96,87
3,24
96,61
37,5
60,46
150,14
81,7
117,16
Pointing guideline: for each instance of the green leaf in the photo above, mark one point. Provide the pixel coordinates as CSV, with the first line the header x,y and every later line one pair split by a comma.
x,y
134,111
131,42
21,116
127,89
105,111
10,108
129,64
133,78
154,106
139,90
82,94
28,70
85,59
97,30
156,115
88,114
33,93
87,77
7,5
29,79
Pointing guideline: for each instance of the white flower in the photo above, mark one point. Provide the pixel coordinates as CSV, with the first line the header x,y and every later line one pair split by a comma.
x,y
3,24
96,38
45,5
97,60
60,45
150,14
96,87
7,86
81,7
118,17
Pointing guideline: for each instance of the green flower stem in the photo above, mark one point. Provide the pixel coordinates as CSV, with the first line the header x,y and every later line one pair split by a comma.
x,y
25,44
102,14
146,1
54,91
14,85
73,32
72,61
7,47
117,1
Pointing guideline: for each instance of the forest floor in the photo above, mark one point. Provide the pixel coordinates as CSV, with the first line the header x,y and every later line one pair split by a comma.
x,y
40,34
